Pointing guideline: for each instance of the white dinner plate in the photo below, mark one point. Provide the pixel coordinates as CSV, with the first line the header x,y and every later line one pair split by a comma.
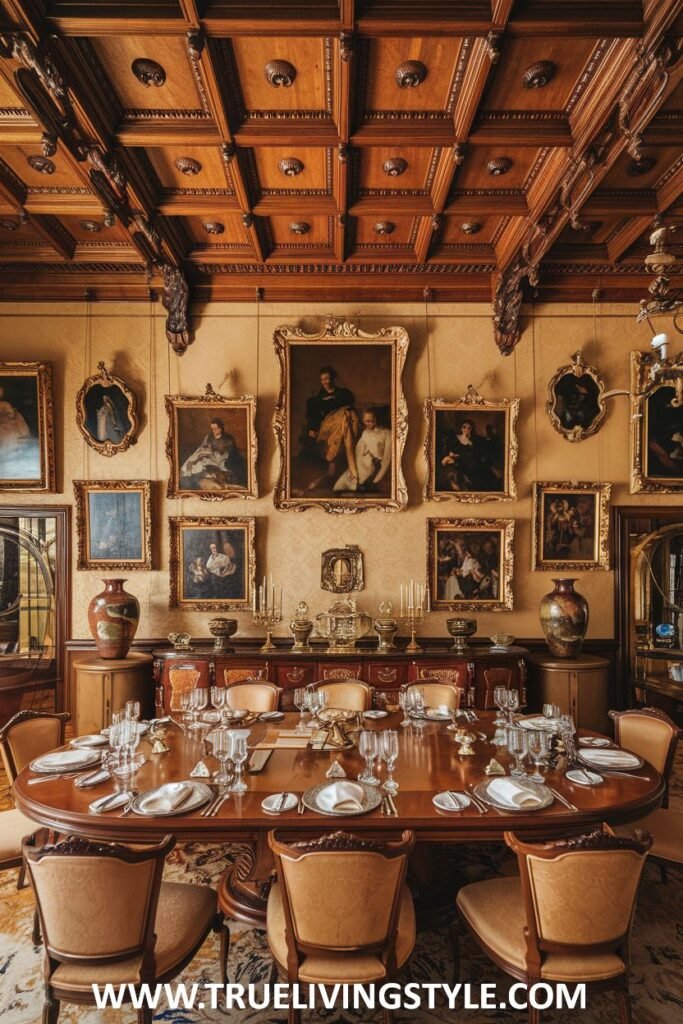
x,y
65,760
538,722
167,800
375,714
271,716
584,777
541,793
613,759
87,742
434,715
372,798
594,741
452,802
271,805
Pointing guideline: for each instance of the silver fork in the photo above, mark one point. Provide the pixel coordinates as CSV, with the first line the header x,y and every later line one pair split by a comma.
x,y
204,813
479,804
217,806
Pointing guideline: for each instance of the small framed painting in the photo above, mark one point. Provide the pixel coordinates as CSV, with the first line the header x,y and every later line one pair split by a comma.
x,y
656,423
27,460
114,524
213,563
211,446
106,413
575,405
470,564
471,448
571,526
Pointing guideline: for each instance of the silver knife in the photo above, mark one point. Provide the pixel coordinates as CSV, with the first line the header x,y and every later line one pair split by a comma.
x,y
218,806
563,800
392,805
51,778
281,802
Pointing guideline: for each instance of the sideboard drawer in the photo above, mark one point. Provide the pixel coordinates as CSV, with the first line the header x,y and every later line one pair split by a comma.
x,y
234,670
386,674
343,671
292,675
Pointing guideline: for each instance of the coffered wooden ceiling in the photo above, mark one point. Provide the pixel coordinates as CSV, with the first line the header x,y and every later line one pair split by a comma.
x,y
337,149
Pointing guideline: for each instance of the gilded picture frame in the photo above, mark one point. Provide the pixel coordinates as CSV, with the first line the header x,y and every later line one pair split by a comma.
x,y
211,446
656,424
212,562
575,405
27,446
114,524
570,529
341,418
471,448
470,564
106,413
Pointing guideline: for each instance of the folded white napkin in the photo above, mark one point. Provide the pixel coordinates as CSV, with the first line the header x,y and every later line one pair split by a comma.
x,y
341,796
514,794
167,797
622,758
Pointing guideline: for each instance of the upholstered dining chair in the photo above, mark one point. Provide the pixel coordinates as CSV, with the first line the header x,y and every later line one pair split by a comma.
x,y
253,695
439,693
651,734
181,679
340,910
27,735
349,694
567,917
108,918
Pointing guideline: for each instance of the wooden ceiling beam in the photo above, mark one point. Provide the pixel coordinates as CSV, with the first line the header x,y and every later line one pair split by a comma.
x,y
605,203
577,18
136,134
622,239
487,203
520,130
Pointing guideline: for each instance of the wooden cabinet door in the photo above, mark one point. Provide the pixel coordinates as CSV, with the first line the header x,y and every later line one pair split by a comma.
x,y
236,670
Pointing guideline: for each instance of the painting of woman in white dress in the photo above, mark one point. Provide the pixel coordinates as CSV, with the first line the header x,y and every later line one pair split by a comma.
x,y
26,444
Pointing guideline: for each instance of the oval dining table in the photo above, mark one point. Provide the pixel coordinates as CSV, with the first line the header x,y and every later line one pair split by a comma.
x,y
428,763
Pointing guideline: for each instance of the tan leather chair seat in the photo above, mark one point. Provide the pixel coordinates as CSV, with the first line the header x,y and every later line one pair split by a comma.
x,y
183,914
666,828
14,826
348,967
495,910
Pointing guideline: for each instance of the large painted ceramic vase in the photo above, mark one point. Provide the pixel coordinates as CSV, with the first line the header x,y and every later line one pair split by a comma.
x,y
564,618
113,617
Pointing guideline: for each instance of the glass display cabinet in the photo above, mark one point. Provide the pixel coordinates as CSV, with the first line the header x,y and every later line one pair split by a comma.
x,y
649,606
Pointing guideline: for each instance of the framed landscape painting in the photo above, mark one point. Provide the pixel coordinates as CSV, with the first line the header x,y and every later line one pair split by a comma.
x,y
213,563
471,448
341,418
211,446
470,564
571,526
26,433
114,524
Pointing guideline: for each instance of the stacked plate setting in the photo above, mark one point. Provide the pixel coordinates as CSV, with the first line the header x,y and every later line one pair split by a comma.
x,y
60,761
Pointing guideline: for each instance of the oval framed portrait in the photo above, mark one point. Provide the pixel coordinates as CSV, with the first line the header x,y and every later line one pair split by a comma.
x,y
575,403
106,413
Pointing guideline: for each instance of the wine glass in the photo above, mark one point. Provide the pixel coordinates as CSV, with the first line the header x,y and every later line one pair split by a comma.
x,y
537,746
367,748
517,745
511,704
499,699
388,748
418,696
551,711
129,738
300,702
200,701
238,755
132,710
218,695
186,698
221,742
405,703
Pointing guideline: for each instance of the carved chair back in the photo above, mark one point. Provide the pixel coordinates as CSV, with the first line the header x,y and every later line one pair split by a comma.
x,y
253,695
349,694
27,735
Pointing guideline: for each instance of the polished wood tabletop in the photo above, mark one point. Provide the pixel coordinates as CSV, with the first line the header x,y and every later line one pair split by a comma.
x,y
428,763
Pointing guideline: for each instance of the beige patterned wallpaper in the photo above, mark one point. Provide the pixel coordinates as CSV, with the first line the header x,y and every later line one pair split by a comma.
x,y
450,349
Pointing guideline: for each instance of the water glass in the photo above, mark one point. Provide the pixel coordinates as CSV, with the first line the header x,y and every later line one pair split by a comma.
x,y
537,742
499,699
367,748
405,703
511,704
132,710
517,745
388,749
199,703
551,711
300,702
127,740
238,755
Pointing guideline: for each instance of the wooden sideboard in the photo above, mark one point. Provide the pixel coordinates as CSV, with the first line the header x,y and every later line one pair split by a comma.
x,y
478,670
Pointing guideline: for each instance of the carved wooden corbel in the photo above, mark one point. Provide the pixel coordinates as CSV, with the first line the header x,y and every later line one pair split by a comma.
x,y
507,304
175,301
642,94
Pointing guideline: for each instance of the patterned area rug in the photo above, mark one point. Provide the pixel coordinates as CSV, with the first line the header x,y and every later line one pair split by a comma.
x,y
656,979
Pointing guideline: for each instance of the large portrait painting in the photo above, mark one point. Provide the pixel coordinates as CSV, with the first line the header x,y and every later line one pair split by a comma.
x,y
341,418
470,564
471,448
571,526
657,423
26,434
211,446
213,563
106,413
114,524
575,400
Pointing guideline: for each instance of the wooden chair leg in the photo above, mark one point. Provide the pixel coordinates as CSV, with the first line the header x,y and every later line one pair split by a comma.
x,y
225,952
294,1016
21,879
624,1004
36,937
50,1009
145,1014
